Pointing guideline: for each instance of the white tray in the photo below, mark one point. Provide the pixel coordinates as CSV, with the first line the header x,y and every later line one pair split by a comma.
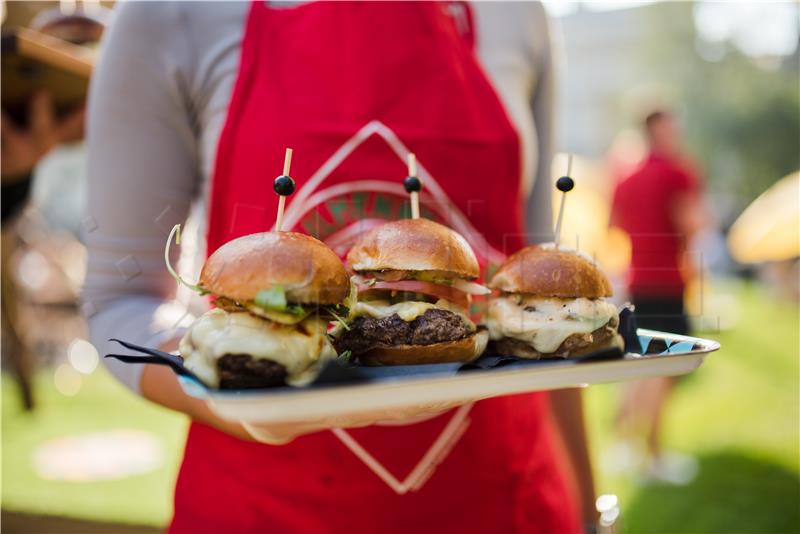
x,y
683,355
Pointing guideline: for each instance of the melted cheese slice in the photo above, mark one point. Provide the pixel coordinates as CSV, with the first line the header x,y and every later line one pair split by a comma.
x,y
547,322
278,317
300,349
407,311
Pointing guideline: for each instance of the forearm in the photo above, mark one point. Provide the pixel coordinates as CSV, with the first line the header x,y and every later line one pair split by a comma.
x,y
567,409
160,385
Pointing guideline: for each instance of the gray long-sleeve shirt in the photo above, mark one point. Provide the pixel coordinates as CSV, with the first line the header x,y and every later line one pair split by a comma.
x,y
157,104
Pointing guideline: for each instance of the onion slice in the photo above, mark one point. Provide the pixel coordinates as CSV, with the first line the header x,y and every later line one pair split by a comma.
x,y
176,232
361,281
437,291
471,288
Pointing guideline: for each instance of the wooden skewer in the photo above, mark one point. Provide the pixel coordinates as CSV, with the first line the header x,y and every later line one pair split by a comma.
x,y
279,219
412,164
287,164
564,186
412,172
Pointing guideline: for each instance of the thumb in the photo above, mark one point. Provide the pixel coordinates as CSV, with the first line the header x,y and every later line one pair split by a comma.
x,y
8,129
42,118
72,126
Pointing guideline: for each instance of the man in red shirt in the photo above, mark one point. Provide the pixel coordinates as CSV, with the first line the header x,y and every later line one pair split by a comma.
x,y
660,207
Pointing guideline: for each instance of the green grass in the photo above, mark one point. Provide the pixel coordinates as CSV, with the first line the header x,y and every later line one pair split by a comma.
x,y
101,404
739,414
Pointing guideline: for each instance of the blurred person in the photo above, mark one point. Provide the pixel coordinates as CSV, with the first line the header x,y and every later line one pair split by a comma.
x,y
22,147
782,277
660,206
196,103
25,142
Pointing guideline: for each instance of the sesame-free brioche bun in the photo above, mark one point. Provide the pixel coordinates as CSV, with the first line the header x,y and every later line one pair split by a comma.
x,y
306,268
545,271
414,245
462,350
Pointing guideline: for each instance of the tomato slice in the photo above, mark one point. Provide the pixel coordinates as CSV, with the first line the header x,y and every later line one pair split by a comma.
x,y
438,291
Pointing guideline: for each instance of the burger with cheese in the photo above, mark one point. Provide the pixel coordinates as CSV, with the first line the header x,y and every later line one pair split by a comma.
x,y
552,304
415,283
274,294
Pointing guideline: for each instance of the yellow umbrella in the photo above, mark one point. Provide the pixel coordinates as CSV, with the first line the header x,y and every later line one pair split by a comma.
x,y
769,229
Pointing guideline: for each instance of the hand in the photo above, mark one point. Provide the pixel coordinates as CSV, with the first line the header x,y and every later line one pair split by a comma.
x,y
23,148
282,433
160,385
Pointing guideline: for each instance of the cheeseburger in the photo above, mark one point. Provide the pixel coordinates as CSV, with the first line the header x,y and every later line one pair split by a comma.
x,y
273,294
414,280
551,305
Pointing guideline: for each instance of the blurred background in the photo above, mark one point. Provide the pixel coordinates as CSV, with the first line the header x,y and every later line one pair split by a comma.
x,y
81,454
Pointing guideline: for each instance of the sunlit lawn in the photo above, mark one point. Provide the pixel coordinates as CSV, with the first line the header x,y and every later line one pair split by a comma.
x,y
101,404
739,414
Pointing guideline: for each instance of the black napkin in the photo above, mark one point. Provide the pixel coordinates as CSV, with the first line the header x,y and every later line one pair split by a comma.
x,y
154,356
628,330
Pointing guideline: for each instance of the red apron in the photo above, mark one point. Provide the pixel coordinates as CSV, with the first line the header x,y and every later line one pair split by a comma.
x,y
352,87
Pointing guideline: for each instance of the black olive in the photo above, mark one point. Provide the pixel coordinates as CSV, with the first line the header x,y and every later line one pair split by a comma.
x,y
530,308
565,183
412,184
283,185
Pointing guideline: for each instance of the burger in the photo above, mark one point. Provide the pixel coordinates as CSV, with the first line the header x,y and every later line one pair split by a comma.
x,y
274,294
415,280
551,304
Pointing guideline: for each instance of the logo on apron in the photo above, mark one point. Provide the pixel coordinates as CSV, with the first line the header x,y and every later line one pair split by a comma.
x,y
338,215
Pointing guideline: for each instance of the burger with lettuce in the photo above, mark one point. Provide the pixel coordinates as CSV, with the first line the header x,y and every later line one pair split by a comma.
x,y
274,294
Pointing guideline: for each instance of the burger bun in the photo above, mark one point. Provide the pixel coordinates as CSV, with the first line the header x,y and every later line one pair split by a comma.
x,y
414,245
550,272
308,271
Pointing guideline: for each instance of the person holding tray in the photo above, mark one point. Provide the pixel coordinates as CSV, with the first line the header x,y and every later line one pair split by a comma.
x,y
196,103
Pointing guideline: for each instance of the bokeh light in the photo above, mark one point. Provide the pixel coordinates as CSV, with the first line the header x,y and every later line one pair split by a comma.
x,y
94,456
67,380
83,356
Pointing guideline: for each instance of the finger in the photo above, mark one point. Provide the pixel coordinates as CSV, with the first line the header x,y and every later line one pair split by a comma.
x,y
42,118
71,127
8,129
266,435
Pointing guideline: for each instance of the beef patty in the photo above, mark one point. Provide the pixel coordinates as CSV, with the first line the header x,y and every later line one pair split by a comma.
x,y
573,345
433,326
242,371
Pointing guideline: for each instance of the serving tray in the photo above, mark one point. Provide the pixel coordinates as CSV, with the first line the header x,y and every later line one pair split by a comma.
x,y
341,391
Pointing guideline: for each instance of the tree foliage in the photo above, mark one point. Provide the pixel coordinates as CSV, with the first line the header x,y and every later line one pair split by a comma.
x,y
741,115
